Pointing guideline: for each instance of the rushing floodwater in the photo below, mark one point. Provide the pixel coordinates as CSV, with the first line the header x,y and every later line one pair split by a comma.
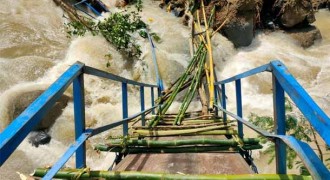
x,y
34,51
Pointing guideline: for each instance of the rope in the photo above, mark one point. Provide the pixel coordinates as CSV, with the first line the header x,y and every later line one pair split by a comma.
x,y
81,172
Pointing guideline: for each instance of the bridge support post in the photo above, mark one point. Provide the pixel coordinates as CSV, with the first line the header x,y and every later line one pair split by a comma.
x,y
125,107
279,118
152,100
79,118
239,106
216,100
142,105
223,103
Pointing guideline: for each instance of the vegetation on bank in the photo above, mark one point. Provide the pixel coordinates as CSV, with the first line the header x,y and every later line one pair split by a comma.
x,y
118,29
296,126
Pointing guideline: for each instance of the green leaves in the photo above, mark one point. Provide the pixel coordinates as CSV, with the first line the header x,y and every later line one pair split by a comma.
x,y
296,125
116,29
75,28
138,4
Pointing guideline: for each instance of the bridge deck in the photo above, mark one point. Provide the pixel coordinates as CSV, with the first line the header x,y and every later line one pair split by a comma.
x,y
186,163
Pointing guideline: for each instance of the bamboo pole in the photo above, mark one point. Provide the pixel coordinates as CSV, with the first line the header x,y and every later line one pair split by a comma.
x,y
185,149
210,132
72,173
201,91
179,127
175,132
209,48
183,78
191,92
201,141
71,11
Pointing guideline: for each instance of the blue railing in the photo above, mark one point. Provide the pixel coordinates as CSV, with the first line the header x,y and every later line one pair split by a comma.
x,y
15,133
283,82
90,6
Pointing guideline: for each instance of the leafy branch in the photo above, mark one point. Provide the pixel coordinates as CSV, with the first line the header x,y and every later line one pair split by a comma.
x,y
116,29
297,126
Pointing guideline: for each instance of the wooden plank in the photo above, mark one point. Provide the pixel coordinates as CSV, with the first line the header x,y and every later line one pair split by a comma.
x,y
186,163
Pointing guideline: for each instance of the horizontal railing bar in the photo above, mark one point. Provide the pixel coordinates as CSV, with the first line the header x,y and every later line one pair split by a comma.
x,y
314,165
245,74
319,120
245,122
120,122
99,73
67,155
14,134
312,162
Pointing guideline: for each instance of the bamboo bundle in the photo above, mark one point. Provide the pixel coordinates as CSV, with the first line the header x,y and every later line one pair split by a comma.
x,y
152,132
179,127
191,91
201,141
210,132
185,149
182,80
195,121
74,173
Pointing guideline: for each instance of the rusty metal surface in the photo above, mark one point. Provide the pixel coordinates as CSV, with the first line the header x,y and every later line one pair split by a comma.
x,y
186,163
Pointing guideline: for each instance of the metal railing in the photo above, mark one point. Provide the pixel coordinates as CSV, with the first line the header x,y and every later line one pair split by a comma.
x,y
283,82
15,133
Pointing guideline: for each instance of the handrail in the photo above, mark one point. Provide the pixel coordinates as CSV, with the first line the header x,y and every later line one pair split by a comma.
x,y
14,134
245,74
154,59
319,120
283,82
119,122
303,150
103,74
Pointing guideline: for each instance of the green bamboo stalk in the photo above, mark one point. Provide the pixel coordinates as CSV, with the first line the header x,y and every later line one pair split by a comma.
x,y
201,141
185,149
212,132
175,132
189,123
180,127
183,78
72,173
192,90
194,120
170,91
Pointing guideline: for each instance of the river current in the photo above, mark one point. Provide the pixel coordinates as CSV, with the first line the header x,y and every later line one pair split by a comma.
x,y
34,51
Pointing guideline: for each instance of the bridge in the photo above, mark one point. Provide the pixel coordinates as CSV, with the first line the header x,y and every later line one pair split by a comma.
x,y
210,146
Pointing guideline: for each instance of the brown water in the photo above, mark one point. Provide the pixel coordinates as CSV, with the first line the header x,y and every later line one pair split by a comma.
x,y
34,52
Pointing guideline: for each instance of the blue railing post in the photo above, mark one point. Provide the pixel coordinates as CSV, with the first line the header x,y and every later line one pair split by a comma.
x,y
125,107
79,118
152,100
279,118
223,103
159,92
142,105
216,100
239,106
